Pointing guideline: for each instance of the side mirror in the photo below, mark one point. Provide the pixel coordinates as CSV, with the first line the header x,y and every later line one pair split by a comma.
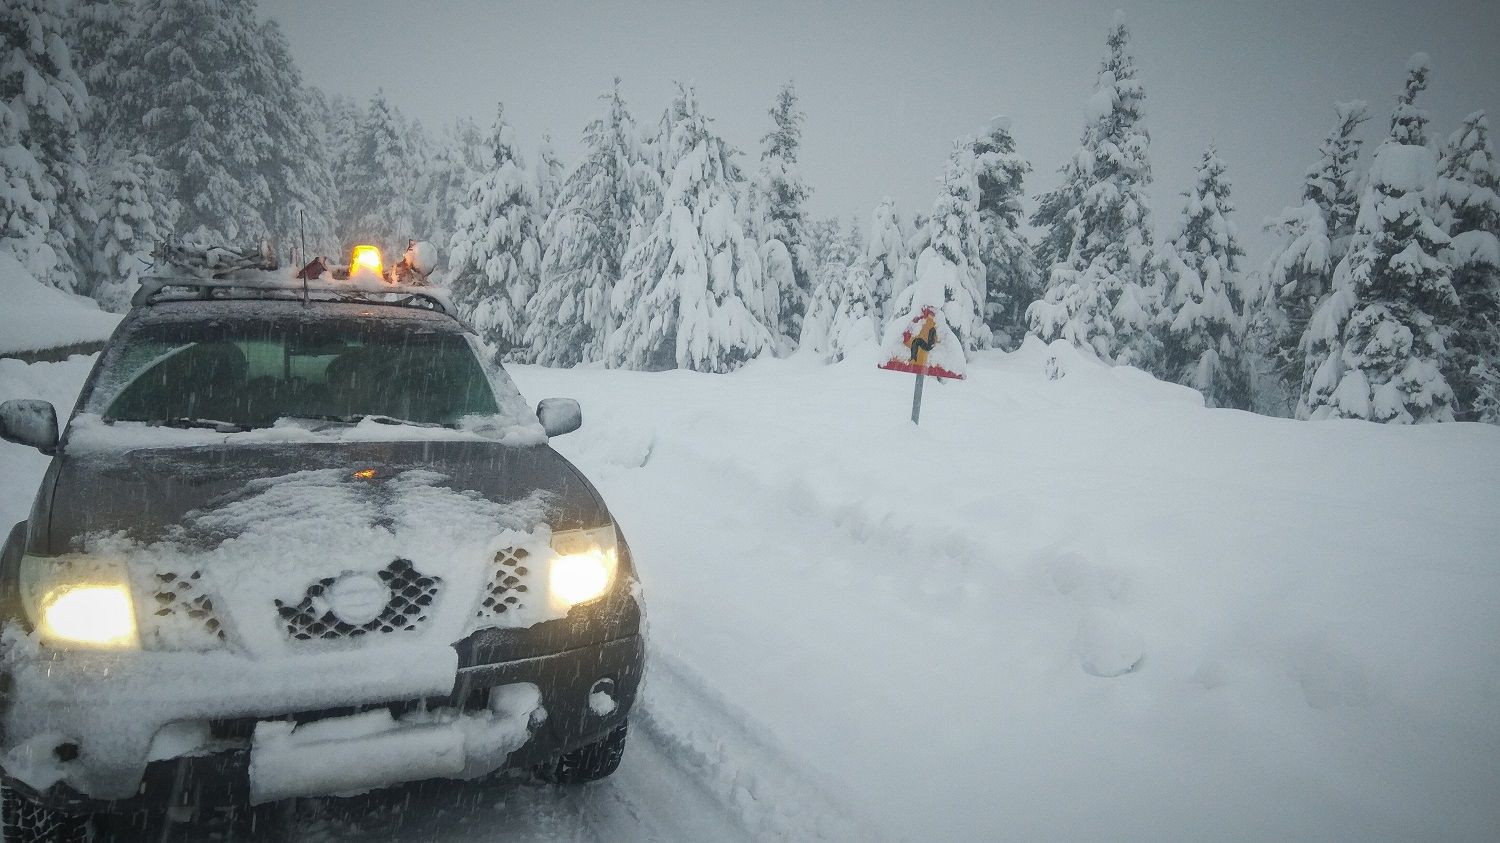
x,y
559,415
27,421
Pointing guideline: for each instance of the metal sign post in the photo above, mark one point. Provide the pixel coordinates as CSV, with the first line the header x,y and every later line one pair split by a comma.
x,y
916,400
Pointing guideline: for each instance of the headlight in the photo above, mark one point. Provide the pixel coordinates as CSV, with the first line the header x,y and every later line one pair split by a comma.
x,y
583,565
79,602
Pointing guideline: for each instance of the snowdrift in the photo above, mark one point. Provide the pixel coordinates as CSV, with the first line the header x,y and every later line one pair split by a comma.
x,y
1073,604
38,318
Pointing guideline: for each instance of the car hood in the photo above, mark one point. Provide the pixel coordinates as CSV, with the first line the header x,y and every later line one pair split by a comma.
x,y
143,493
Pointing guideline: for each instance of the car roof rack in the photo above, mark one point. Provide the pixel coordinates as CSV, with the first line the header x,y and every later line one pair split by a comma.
x,y
266,285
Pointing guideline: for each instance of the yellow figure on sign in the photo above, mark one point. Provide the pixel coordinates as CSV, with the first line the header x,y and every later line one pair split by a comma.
x,y
922,340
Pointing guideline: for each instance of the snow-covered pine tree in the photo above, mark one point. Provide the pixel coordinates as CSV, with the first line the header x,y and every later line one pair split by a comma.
x,y
1204,309
778,275
1056,215
856,321
47,99
549,175
1101,296
101,34
378,179
294,164
25,197
1315,236
918,237
184,101
1397,293
827,299
588,234
210,92
949,274
782,196
451,168
495,255
821,234
691,294
1468,209
660,154
886,259
1011,277
127,231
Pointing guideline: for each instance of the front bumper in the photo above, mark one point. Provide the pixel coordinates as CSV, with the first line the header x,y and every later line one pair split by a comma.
x,y
93,717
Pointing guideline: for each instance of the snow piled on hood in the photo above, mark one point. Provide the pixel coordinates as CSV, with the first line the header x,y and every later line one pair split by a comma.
x,y
276,536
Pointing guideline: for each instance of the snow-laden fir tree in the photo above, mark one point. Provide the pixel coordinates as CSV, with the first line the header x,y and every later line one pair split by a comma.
x,y
692,295
1012,283
827,299
102,34
1203,317
886,260
495,254
1315,236
1468,209
778,275
294,165
1056,214
210,93
549,174
949,274
856,321
48,101
25,197
1101,296
660,154
1393,296
127,231
822,236
782,195
452,166
378,176
587,236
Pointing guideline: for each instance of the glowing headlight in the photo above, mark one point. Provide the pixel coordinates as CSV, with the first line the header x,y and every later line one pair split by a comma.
x,y
583,565
79,602
96,615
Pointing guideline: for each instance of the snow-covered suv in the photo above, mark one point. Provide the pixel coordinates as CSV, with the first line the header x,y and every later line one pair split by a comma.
x,y
303,541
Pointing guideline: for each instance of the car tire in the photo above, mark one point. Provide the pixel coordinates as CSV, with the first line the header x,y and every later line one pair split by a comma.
x,y
588,763
26,821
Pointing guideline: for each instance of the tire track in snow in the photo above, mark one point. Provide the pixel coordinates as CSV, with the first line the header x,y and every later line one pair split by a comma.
x,y
739,766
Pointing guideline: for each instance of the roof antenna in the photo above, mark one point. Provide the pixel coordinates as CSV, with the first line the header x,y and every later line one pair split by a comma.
x,y
302,224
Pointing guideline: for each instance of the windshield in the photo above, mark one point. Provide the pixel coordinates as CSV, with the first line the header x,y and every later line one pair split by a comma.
x,y
250,372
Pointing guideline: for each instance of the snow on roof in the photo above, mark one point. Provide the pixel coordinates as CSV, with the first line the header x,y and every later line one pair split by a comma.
x,y
37,317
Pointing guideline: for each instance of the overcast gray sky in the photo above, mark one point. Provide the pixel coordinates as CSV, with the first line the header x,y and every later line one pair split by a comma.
x,y
887,86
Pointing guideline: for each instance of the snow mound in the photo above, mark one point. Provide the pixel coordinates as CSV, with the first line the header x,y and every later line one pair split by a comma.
x,y
1132,617
37,317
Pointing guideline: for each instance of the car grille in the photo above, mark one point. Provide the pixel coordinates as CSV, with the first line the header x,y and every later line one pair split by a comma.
x,y
506,589
407,610
184,616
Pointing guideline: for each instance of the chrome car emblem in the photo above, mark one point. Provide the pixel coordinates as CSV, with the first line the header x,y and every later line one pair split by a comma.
x,y
357,598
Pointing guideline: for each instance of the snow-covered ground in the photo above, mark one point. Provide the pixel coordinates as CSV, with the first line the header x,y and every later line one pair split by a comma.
x,y
918,619
40,317
1058,609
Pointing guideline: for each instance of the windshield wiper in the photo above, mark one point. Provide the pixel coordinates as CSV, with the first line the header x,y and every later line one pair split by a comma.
x,y
356,418
212,424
